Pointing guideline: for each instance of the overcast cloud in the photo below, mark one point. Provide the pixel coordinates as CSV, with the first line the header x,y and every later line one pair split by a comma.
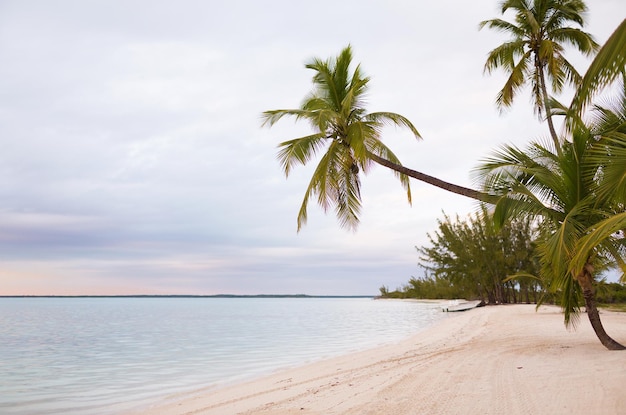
x,y
133,162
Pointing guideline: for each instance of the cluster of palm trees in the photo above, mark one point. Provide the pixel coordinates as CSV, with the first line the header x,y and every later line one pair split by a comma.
x,y
576,185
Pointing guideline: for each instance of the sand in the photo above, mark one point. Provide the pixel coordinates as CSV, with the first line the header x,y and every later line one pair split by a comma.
x,y
493,360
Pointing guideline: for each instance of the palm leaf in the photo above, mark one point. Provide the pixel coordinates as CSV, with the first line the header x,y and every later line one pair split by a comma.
x,y
502,26
299,151
272,117
392,118
504,56
514,83
590,242
608,64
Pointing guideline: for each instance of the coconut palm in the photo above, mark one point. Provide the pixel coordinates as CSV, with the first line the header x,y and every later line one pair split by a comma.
x,y
350,137
580,195
535,52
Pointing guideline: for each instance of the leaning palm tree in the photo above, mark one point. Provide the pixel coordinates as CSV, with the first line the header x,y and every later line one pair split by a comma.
x,y
535,52
351,139
580,195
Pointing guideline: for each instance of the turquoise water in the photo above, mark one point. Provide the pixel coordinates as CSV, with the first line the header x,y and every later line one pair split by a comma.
x,y
108,355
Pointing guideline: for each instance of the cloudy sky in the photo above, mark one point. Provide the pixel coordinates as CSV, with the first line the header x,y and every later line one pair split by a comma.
x,y
133,160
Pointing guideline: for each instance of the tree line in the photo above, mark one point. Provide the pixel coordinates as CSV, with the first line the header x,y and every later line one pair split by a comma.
x,y
472,259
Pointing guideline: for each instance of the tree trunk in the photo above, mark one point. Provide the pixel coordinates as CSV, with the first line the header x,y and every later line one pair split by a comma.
x,y
585,279
547,109
524,293
514,293
459,190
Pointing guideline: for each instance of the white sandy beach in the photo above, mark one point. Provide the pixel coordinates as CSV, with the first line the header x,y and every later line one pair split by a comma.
x,y
493,360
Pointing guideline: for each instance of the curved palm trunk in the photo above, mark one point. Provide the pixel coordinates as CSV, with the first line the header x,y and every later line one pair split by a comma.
x,y
585,280
546,107
459,190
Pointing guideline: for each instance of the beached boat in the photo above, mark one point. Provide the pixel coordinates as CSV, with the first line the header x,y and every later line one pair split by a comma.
x,y
460,305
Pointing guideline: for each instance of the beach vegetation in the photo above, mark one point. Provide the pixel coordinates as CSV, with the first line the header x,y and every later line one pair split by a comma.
x,y
479,258
575,185
472,259
611,293
427,287
580,196
619,307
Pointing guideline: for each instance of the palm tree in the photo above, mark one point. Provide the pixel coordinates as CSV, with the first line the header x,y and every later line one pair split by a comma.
x,y
535,52
580,195
351,138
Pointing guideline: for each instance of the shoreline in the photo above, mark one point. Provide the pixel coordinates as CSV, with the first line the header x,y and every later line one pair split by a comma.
x,y
504,359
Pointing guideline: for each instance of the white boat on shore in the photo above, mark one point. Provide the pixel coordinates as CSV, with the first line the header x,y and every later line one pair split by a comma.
x,y
460,305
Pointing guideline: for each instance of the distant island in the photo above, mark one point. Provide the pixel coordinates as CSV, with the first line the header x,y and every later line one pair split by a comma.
x,y
191,296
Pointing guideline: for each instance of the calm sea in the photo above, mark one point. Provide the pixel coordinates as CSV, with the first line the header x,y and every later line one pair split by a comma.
x,y
108,355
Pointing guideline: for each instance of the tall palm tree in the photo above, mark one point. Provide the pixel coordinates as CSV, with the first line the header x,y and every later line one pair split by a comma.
x,y
580,195
351,138
535,52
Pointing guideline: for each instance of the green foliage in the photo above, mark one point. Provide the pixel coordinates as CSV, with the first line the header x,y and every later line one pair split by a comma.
x,y
576,191
433,286
474,259
620,307
348,136
534,53
611,293
574,194
607,66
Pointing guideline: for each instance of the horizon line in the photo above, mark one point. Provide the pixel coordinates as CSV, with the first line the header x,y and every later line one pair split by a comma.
x,y
185,296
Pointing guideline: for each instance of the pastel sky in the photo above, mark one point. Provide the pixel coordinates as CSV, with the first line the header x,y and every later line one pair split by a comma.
x,y
133,160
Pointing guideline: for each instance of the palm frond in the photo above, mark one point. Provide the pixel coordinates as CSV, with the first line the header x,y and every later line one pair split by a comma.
x,y
378,148
583,41
348,201
328,183
299,151
272,117
521,275
502,26
317,186
557,107
357,135
504,56
571,74
587,244
392,118
570,299
556,71
608,65
325,85
514,83
609,154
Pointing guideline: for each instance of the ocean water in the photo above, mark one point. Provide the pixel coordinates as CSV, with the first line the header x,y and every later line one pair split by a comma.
x,y
109,355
